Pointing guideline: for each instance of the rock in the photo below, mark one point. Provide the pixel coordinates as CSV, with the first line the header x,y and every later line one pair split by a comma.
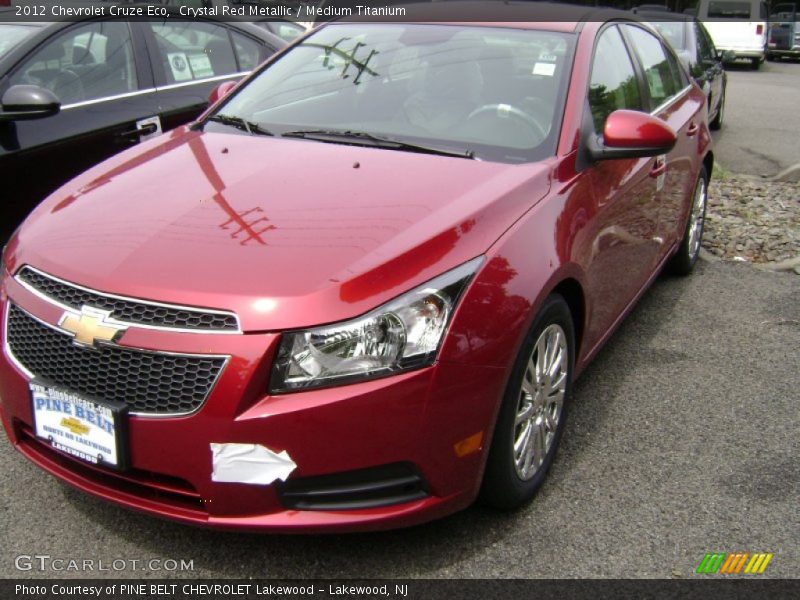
x,y
757,221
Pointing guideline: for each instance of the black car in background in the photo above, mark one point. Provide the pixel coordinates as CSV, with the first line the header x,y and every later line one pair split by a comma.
x,y
73,94
694,47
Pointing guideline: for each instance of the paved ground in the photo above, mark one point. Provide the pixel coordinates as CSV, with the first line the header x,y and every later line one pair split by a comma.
x,y
683,439
761,133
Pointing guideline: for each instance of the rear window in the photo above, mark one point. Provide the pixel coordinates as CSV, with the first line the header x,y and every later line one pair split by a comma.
x,y
729,10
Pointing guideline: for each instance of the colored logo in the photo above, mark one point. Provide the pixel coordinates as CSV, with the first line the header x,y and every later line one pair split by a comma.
x,y
734,563
90,326
74,425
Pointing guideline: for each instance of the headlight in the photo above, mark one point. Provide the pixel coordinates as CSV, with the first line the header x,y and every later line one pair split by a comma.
x,y
403,334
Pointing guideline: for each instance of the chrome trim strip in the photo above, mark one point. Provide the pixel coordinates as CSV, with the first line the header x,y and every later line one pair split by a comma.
x,y
671,100
107,99
7,348
172,86
191,309
226,358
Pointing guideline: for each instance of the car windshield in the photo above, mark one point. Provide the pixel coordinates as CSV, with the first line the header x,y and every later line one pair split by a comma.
x,y
489,93
673,32
12,35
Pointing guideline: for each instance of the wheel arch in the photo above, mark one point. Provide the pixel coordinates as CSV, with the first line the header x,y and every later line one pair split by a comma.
x,y
572,292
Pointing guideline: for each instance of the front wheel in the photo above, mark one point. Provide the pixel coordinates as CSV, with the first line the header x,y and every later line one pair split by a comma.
x,y
684,260
755,63
531,418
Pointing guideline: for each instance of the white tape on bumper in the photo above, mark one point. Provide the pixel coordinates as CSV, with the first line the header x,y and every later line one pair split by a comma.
x,y
249,463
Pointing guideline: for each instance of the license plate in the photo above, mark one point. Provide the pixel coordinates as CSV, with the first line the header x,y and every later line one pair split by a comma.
x,y
91,430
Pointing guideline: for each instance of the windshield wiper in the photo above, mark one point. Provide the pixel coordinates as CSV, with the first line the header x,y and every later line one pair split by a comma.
x,y
378,141
239,123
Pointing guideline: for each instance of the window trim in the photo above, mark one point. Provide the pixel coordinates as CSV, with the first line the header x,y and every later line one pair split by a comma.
x,y
634,63
136,55
638,59
160,76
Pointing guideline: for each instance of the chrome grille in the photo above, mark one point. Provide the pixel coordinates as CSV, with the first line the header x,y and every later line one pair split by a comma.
x,y
152,383
127,310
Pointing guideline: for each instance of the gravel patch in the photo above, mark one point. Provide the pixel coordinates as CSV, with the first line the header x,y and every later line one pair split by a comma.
x,y
753,220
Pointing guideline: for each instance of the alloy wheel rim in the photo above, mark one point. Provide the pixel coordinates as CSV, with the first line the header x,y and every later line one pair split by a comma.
x,y
697,217
541,401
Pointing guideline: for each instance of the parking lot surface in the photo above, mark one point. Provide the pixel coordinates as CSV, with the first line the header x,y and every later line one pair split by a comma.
x,y
682,440
762,120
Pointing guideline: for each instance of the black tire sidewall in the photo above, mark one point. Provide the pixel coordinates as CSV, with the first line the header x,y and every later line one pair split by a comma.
x,y
682,263
501,486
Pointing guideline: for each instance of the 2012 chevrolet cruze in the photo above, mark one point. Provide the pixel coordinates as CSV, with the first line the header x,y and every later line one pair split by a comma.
x,y
355,294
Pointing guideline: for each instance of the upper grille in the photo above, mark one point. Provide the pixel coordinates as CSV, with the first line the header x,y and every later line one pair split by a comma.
x,y
148,382
128,310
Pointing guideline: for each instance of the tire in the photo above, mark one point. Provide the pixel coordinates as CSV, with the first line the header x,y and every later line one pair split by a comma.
x,y
755,64
716,124
685,258
506,482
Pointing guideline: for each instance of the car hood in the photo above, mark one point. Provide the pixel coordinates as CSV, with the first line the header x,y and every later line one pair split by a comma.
x,y
286,233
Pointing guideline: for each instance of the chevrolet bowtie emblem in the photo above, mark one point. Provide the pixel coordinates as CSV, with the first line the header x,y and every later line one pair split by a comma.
x,y
75,426
90,326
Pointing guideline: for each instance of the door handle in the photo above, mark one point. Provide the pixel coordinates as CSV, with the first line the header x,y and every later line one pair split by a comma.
x,y
148,129
693,129
659,167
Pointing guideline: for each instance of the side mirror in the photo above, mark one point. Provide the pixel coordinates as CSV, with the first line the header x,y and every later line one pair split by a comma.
x,y
23,102
726,56
631,134
222,90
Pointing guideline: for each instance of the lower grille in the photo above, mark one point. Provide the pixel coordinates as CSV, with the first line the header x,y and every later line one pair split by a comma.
x,y
365,488
169,492
148,382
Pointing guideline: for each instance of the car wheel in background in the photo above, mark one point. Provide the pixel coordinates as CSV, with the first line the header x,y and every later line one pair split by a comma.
x,y
684,260
531,419
717,122
755,63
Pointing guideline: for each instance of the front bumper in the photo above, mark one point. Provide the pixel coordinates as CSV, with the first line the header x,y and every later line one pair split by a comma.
x,y
418,418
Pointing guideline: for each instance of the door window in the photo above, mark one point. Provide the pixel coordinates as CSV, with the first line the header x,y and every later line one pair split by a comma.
x,y
194,51
88,62
613,84
661,70
248,51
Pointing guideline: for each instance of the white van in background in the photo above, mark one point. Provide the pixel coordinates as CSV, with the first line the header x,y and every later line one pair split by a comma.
x,y
737,25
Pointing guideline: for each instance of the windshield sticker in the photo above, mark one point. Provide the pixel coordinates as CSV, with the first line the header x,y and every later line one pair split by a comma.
x,y
544,68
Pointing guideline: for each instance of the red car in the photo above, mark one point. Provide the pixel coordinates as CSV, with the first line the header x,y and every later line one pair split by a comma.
x,y
355,294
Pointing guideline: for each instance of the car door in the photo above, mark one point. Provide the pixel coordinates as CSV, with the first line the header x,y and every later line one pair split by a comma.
x,y
623,229
712,69
669,96
191,58
107,104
